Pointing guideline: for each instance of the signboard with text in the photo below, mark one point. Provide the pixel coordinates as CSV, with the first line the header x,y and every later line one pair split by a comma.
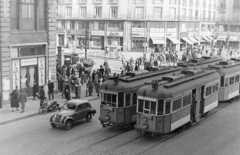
x,y
41,70
16,74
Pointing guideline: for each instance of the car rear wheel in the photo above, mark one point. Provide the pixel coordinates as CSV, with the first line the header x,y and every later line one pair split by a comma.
x,y
89,117
68,125
53,125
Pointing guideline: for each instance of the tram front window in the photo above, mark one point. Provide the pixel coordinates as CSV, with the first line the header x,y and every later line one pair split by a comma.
x,y
120,99
109,99
160,107
140,106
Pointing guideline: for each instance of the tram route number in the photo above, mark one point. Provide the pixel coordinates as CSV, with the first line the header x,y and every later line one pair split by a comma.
x,y
105,108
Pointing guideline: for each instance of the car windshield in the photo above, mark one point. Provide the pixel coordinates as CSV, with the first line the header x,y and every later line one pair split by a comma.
x,y
69,106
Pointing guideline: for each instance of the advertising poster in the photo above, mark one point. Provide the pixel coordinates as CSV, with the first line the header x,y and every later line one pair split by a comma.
x,y
41,69
15,74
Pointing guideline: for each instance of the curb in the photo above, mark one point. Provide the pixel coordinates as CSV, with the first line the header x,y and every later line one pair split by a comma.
x,y
34,114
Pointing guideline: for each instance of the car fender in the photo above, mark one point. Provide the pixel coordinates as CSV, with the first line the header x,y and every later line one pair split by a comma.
x,y
68,118
90,112
51,118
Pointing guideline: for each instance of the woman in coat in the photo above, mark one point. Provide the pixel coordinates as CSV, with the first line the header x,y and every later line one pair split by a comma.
x,y
22,99
67,91
14,99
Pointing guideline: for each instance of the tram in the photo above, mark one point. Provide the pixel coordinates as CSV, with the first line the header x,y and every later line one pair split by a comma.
x,y
229,84
119,95
200,62
176,100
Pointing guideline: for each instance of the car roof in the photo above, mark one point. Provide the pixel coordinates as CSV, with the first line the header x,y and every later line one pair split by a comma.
x,y
77,101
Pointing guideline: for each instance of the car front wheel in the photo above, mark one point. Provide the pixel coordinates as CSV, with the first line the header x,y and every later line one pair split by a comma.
x,y
53,125
68,125
89,117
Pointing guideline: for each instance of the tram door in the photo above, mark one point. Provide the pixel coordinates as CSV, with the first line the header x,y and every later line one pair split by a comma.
x,y
196,104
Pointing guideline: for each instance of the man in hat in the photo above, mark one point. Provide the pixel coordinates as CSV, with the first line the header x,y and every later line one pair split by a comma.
x,y
50,90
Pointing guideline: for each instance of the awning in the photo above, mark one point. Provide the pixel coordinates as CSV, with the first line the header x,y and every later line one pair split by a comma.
x,y
205,38
222,38
158,41
193,39
174,40
233,38
200,39
187,40
209,37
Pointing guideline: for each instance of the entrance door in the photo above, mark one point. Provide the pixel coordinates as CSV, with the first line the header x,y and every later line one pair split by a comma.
x,y
29,76
196,105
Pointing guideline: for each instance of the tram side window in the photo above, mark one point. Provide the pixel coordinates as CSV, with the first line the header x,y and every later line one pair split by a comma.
x,y
226,82
140,105
102,98
167,107
128,99
231,81
215,87
153,108
208,91
134,98
222,81
177,104
120,99
186,100
110,99
147,107
237,79
160,107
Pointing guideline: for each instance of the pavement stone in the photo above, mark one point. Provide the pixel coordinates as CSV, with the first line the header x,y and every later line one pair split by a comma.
x,y
32,107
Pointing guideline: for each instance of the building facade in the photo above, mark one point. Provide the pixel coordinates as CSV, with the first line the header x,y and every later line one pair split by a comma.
x,y
228,25
27,44
133,24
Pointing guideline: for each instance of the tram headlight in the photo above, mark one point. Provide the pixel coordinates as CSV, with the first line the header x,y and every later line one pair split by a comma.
x,y
145,126
107,117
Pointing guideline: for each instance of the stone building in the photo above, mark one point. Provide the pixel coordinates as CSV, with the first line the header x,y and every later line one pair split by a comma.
x,y
27,44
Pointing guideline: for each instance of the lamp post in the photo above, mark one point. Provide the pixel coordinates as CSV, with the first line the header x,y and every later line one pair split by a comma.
x,y
145,37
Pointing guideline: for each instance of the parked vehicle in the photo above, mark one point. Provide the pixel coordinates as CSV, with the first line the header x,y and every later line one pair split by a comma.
x,y
46,107
72,112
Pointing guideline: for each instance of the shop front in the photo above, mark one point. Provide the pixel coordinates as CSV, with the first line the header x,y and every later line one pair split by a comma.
x,y
115,40
172,41
28,67
221,40
97,40
233,42
138,39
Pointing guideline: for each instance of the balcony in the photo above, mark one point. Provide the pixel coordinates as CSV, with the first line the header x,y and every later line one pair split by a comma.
x,y
82,2
188,18
93,17
113,1
97,1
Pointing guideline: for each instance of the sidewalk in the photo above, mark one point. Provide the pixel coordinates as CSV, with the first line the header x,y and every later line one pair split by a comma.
x,y
32,107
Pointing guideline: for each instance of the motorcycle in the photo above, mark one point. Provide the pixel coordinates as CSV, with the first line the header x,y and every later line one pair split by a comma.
x,y
46,107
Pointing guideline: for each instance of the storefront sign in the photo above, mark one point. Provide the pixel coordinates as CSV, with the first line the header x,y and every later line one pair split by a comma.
x,y
171,34
5,84
157,30
77,32
135,34
16,74
172,30
41,69
156,35
138,30
98,33
29,62
120,34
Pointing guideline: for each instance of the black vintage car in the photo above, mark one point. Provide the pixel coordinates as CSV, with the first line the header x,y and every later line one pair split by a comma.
x,y
72,112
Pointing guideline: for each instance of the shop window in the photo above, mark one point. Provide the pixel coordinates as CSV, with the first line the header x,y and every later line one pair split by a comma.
x,y
231,81
115,26
81,25
177,103
237,79
31,50
187,100
160,107
208,91
96,42
167,107
140,106
120,99
137,44
215,87
138,25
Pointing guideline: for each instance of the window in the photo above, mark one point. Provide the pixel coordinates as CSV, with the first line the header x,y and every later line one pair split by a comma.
x,y
190,2
186,100
114,12
209,15
160,107
98,12
153,108
236,78
128,99
173,1
72,25
68,1
137,44
81,25
85,105
222,81
61,40
177,103
42,15
167,107
171,25
172,13
82,12
231,81
226,82
204,14
197,3
134,98
98,1
82,1
208,91
120,99
68,12
184,2
140,106
215,87
158,1
139,1
147,107
184,13
138,25
109,99
98,26
28,15
190,13
196,14
157,12
30,50
139,12
115,26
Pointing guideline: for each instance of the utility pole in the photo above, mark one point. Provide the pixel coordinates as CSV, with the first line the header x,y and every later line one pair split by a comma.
x,y
145,16
87,38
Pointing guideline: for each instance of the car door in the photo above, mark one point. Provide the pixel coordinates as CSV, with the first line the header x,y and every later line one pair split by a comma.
x,y
78,113
85,109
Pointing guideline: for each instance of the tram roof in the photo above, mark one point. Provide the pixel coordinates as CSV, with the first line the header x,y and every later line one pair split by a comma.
x,y
226,67
201,61
126,82
171,89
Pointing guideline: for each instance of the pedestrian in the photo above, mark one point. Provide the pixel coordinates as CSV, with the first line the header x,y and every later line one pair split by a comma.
x,y
102,70
63,87
97,87
100,77
81,70
67,91
93,75
14,98
50,90
90,86
107,71
82,78
76,84
35,90
72,78
42,96
22,99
